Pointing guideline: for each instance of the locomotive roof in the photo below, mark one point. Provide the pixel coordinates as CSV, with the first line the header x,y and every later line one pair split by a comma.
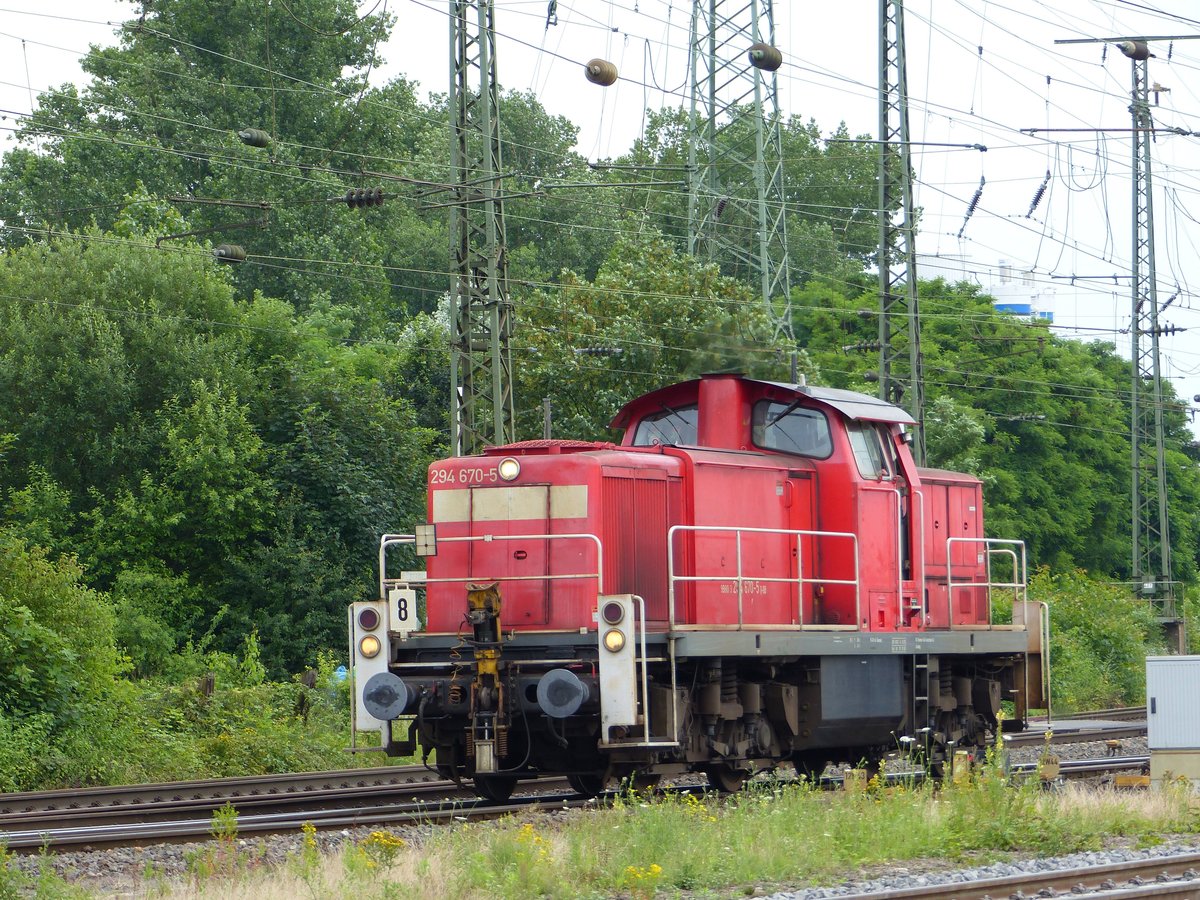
x,y
851,404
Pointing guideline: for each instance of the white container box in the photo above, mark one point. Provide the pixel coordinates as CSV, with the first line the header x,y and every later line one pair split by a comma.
x,y
1173,702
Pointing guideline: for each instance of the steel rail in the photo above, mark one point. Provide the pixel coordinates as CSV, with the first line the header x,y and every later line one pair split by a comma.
x,y
106,836
1119,713
299,801
212,788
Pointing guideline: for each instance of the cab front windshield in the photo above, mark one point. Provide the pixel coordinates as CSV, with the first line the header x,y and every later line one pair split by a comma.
x,y
790,428
676,426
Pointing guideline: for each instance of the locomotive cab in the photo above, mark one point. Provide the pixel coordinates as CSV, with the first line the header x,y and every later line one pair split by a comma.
x,y
757,573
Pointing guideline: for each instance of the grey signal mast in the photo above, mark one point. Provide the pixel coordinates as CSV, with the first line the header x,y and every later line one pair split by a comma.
x,y
901,367
1152,572
481,400
736,212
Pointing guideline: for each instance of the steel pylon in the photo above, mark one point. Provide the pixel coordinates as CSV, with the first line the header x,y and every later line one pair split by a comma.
x,y
481,400
1151,533
736,200
901,375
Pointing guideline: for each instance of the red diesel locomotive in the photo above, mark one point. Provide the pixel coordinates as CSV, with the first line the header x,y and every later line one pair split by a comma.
x,y
758,573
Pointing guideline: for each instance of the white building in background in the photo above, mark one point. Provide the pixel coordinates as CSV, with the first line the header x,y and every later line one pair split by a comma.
x,y
1016,292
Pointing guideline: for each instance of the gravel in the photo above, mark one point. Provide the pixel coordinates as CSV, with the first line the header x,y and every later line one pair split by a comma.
x,y
137,869
906,877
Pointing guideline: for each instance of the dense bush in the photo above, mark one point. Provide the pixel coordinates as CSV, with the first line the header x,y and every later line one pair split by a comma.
x,y
168,730
1100,637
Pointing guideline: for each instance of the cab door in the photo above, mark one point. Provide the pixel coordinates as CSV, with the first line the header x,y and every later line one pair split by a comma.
x,y
805,558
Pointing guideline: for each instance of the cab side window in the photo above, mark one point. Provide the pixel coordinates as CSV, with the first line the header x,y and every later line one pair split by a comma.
x,y
873,450
788,428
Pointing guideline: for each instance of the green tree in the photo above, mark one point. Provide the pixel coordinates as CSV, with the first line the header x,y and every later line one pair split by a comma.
x,y
650,317
163,109
1043,420
215,452
829,191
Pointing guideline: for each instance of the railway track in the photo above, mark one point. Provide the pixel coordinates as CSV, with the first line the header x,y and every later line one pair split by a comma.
x,y
213,791
100,817
1118,713
1085,726
400,802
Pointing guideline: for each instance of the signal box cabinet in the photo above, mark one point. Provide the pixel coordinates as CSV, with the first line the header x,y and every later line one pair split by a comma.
x,y
1173,702
1173,718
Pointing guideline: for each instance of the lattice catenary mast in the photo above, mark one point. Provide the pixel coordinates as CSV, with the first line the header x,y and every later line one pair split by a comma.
x,y
481,404
901,375
1151,533
736,202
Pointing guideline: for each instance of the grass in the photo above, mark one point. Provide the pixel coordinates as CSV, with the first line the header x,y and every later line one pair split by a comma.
x,y
772,835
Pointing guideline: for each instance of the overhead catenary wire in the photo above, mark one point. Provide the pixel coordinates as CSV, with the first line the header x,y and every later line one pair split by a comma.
x,y
1102,255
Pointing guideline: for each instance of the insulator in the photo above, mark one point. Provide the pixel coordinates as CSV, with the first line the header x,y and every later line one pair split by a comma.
x,y
765,57
971,206
356,198
1138,50
601,72
255,137
1038,194
721,204
229,253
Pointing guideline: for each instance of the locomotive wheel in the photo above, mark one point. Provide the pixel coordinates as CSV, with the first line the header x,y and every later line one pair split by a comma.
x,y
726,779
497,788
589,784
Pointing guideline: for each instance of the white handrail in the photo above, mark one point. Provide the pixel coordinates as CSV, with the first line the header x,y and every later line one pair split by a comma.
x,y
394,540
991,546
740,578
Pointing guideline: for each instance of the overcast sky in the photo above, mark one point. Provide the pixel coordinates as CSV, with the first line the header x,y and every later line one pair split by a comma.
x,y
980,72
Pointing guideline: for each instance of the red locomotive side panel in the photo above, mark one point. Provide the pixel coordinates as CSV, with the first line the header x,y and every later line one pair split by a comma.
x,y
954,549
638,505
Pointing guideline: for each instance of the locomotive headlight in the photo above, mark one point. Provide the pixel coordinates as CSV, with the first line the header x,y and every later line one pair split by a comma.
x,y
508,469
614,640
369,646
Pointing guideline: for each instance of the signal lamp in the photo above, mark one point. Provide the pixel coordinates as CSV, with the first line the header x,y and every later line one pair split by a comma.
x,y
369,646
613,612
614,640
508,469
368,619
